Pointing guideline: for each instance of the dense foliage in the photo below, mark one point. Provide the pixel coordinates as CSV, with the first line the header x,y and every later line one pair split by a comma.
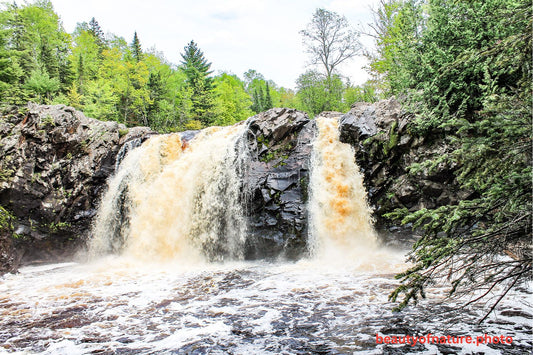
x,y
111,79
464,69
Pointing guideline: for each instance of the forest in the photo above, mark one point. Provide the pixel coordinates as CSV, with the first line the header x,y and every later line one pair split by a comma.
x,y
109,78
461,68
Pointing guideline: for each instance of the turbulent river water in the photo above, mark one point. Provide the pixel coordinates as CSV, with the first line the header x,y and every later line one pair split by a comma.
x,y
146,287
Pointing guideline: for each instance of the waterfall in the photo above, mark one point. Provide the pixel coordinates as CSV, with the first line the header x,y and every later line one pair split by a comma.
x,y
125,149
339,216
176,199
172,199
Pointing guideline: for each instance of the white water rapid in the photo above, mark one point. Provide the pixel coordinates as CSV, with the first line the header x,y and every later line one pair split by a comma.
x,y
340,218
180,200
166,275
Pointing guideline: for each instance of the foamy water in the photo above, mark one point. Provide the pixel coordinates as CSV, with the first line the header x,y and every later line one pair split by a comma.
x,y
118,305
170,207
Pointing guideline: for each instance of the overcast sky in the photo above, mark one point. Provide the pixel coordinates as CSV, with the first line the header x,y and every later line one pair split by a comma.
x,y
235,35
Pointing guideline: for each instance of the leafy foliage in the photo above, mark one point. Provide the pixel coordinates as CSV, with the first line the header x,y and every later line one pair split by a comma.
x,y
111,79
465,69
318,93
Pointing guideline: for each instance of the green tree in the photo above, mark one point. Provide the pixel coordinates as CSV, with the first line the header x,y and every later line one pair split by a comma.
x,y
234,102
316,93
38,47
42,86
136,49
268,98
9,71
196,68
262,92
361,93
474,89
85,56
396,27
98,34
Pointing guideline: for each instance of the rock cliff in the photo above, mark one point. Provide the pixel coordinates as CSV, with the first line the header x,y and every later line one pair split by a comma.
x,y
275,180
386,147
55,163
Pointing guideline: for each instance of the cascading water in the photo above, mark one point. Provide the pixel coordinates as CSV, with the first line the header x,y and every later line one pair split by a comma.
x,y
172,199
340,218
175,199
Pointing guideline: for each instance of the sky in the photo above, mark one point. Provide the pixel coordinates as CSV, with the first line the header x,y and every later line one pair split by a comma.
x,y
235,35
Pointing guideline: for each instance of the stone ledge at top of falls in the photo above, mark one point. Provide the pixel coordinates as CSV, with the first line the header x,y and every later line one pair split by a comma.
x,y
54,165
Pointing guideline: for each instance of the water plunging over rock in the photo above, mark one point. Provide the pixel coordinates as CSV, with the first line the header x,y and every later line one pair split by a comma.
x,y
55,162
238,192
340,217
53,167
172,199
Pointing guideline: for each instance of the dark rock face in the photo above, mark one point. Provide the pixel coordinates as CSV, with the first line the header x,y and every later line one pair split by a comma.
x,y
9,257
385,149
55,162
275,180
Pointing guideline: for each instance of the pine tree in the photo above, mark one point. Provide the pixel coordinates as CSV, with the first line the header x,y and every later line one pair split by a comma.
x,y
96,31
474,90
49,60
196,68
81,74
8,73
156,91
268,98
256,105
136,48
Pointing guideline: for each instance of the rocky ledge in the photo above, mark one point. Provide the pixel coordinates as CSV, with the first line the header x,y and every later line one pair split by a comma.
x,y
275,181
55,162
386,148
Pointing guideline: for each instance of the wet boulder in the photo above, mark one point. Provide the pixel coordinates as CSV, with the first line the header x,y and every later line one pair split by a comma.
x,y
275,179
391,157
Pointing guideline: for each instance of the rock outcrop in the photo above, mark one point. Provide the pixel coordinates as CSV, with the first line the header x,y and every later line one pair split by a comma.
x,y
55,162
9,256
275,181
386,150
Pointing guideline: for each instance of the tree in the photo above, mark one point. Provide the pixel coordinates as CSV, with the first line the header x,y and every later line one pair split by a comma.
x,y
263,93
136,49
251,76
268,98
41,85
329,40
360,93
98,34
8,71
196,68
317,94
232,99
396,28
85,56
38,47
474,89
